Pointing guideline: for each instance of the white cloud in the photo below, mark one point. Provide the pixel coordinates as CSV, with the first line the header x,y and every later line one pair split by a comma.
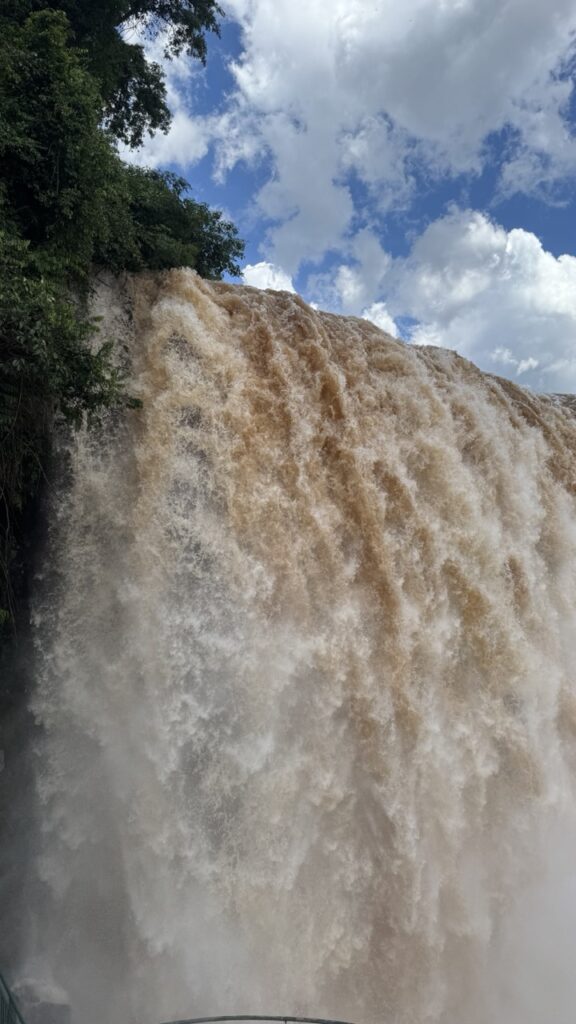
x,y
355,285
188,138
185,143
497,297
373,88
372,93
266,275
380,316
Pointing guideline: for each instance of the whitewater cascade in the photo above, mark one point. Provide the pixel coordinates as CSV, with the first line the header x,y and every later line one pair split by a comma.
x,y
305,655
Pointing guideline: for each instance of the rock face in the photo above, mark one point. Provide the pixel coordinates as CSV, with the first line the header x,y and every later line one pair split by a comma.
x,y
304,677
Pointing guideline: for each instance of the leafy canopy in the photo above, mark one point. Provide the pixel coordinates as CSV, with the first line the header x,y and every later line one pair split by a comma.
x,y
74,81
131,87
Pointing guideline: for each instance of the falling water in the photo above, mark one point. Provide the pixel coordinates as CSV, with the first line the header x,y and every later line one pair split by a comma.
x,y
305,678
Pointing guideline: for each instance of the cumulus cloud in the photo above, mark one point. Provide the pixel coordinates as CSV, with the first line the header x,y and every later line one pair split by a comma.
x,y
373,89
356,280
347,107
378,314
495,296
186,142
188,139
266,275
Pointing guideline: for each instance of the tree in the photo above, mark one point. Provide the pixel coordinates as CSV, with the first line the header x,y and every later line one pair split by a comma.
x,y
131,87
72,84
157,226
47,369
65,189
56,164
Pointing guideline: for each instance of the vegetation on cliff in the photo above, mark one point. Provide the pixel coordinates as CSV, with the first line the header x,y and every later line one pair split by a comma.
x,y
71,86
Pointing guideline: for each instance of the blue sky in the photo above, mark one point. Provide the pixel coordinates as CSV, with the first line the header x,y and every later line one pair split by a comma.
x,y
413,163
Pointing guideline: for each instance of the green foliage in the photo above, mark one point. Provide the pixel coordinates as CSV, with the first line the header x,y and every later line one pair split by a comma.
x,y
65,188
46,363
156,226
47,370
131,88
56,163
74,80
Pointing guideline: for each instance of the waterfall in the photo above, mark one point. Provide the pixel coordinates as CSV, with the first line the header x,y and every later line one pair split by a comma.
x,y
304,661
